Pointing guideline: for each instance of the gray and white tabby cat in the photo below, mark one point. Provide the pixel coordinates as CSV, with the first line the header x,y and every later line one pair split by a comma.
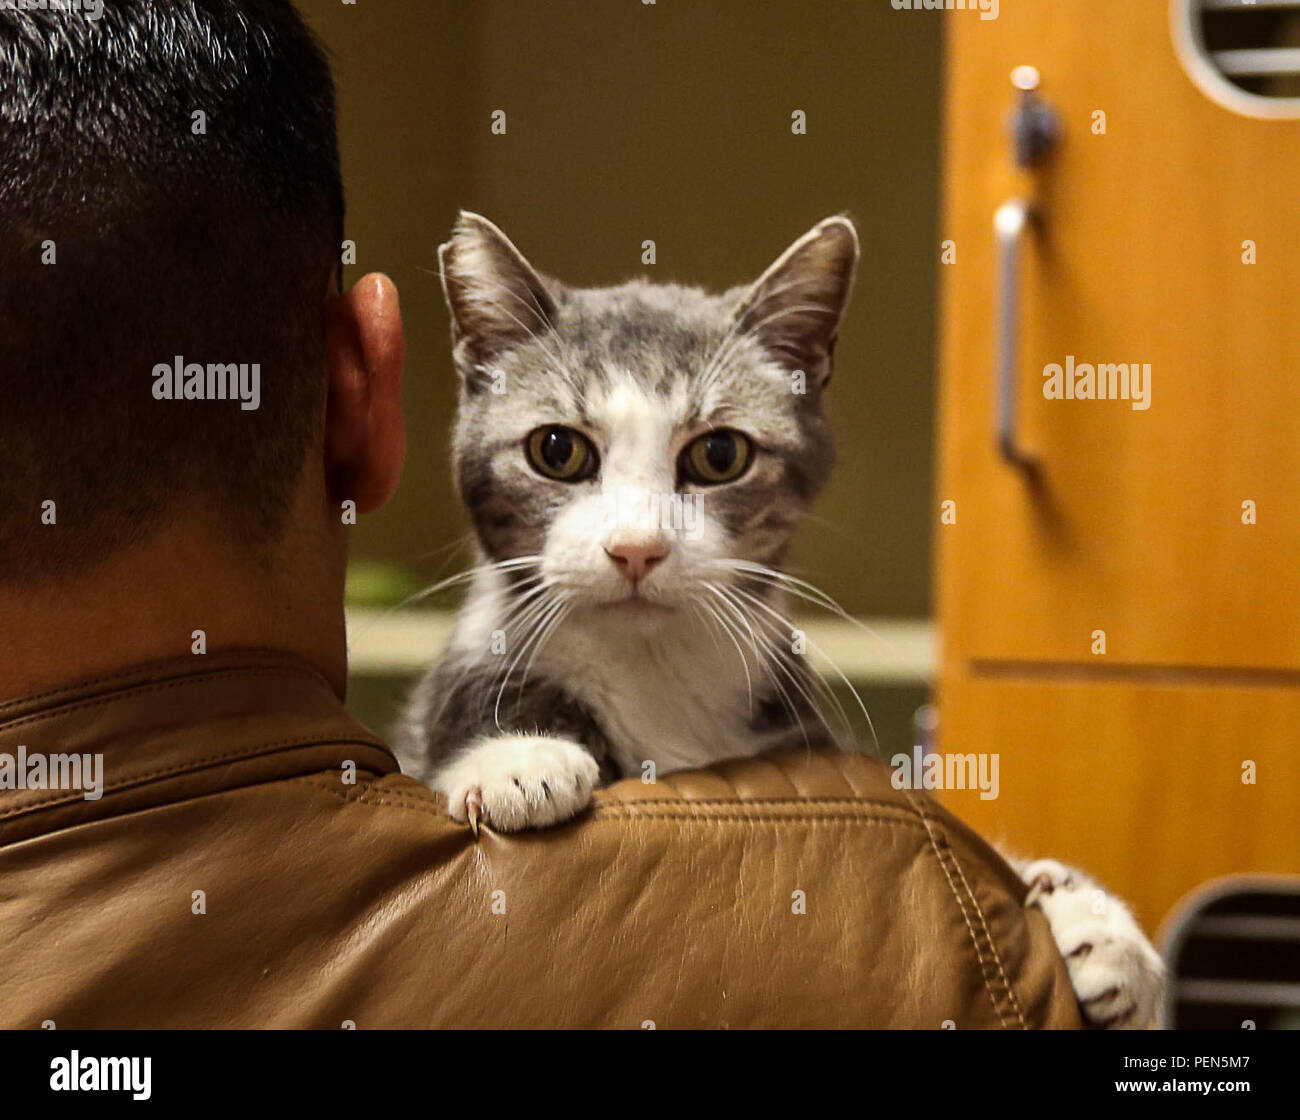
x,y
635,460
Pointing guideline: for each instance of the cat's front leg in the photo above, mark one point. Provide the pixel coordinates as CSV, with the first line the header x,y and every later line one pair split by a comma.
x,y
1117,975
517,781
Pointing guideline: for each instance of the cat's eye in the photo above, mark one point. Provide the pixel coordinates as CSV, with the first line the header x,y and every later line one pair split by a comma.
x,y
716,457
561,453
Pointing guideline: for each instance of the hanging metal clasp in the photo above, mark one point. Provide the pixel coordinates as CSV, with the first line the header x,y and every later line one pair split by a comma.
x,y
1035,126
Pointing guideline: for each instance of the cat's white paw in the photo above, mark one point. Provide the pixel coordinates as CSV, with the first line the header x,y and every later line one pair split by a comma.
x,y
518,781
1118,977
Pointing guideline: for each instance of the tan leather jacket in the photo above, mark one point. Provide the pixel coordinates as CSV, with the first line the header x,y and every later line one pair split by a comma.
x,y
787,890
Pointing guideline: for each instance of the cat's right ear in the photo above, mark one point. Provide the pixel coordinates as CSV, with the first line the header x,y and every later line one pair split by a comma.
x,y
496,299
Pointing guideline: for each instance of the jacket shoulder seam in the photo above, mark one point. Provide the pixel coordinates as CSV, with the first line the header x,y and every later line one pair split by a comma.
x,y
365,795
944,854
141,690
146,776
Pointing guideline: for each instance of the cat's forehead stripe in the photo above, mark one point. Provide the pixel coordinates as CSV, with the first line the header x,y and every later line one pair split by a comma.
x,y
626,407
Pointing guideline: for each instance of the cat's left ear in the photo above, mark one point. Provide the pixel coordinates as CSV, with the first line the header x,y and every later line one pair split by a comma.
x,y
795,307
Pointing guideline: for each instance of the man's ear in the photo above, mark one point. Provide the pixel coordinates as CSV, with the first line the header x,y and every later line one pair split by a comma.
x,y
795,307
365,438
496,298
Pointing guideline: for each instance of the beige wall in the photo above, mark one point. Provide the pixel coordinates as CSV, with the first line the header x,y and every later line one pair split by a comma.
x,y
669,121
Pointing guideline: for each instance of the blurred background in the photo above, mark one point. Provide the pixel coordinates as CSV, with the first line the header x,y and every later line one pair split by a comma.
x,y
1102,599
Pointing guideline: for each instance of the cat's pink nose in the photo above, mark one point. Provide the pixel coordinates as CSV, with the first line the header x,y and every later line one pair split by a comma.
x,y
636,553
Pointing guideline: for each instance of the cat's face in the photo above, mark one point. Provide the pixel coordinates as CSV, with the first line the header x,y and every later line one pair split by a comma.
x,y
641,440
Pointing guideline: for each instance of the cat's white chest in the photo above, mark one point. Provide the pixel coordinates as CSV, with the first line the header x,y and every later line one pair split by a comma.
x,y
671,700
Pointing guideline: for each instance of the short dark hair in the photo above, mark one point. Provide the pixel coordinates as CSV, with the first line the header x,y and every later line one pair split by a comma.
x,y
169,187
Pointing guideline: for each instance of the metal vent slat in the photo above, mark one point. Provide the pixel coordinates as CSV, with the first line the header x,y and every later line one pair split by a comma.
x,y
1233,953
1237,993
1248,927
1247,5
1244,54
1258,62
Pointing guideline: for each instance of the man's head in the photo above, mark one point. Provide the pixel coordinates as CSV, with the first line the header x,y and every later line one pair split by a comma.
x,y
170,199
169,196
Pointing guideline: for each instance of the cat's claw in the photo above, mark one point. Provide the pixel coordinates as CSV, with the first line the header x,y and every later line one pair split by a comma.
x,y
513,782
1118,977
474,808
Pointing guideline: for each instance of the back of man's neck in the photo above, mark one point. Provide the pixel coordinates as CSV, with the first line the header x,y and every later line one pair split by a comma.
x,y
176,595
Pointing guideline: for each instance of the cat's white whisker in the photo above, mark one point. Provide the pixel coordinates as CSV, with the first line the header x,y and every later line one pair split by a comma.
x,y
802,589
744,662
784,626
788,588
773,655
553,606
445,585
531,589
544,634
760,647
553,628
783,661
694,608
829,661
527,613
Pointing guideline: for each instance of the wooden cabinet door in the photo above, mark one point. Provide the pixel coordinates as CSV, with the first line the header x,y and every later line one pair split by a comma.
x,y
1152,788
1123,619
